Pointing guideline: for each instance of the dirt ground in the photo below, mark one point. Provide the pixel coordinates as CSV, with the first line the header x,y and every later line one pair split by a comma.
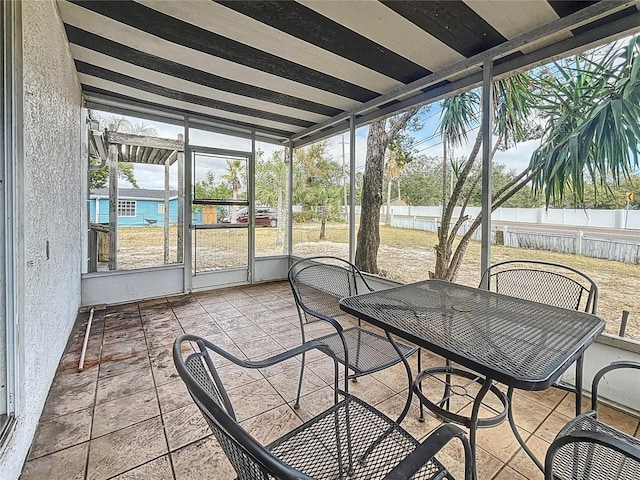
x,y
411,265
404,255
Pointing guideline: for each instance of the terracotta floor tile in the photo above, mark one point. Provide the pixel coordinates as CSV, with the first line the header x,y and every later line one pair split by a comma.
x,y
185,425
108,458
521,462
158,469
509,474
273,424
246,334
137,383
261,347
254,398
550,397
173,395
314,403
499,441
203,459
67,399
412,424
128,383
124,411
286,383
61,432
618,419
529,415
551,426
122,357
68,464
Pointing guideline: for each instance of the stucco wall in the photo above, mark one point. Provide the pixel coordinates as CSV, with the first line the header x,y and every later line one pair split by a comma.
x,y
52,203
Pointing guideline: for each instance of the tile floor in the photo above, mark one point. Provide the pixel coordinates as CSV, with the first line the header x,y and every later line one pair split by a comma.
x,y
127,415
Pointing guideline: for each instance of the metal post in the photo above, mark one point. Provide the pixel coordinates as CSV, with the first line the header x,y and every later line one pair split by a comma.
x,y
487,101
288,154
186,207
113,206
352,187
166,211
181,216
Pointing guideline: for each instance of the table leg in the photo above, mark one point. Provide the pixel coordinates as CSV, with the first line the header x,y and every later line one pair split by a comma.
x,y
409,377
473,421
516,433
579,370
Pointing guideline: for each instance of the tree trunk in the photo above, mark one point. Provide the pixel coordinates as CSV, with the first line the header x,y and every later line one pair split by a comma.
x,y
323,224
443,249
369,231
388,219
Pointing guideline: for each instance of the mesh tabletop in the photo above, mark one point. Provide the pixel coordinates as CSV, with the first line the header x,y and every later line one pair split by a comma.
x,y
517,342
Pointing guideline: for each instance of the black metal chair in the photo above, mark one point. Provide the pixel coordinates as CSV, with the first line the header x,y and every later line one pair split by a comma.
x,y
588,449
543,282
318,283
349,440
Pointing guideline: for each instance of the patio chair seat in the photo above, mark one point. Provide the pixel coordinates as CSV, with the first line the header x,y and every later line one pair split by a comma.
x,y
368,351
589,449
312,447
318,284
350,440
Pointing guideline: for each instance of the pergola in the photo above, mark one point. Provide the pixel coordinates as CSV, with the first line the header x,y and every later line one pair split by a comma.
x,y
115,147
294,72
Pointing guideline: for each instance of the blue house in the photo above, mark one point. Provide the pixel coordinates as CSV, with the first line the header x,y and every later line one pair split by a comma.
x,y
137,207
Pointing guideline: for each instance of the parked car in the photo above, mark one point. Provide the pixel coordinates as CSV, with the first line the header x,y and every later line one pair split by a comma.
x,y
266,216
263,216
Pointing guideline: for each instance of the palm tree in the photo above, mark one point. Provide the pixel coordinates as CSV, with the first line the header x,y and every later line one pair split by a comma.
x,y
592,110
593,124
512,108
234,170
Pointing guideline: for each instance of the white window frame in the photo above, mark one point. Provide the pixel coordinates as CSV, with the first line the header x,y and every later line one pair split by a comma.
x,y
124,206
12,176
161,208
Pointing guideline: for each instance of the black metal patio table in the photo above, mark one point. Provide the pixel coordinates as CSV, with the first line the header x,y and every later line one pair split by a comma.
x,y
521,344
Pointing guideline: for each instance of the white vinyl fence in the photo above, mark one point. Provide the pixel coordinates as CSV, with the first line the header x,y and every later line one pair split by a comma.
x,y
428,219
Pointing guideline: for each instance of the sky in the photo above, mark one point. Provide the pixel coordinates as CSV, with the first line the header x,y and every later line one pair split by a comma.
x,y
426,139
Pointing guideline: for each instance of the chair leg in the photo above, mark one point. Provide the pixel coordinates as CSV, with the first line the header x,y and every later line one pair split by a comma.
x,y
297,404
421,417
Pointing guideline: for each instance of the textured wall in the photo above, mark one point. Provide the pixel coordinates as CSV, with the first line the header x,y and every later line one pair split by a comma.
x,y
52,205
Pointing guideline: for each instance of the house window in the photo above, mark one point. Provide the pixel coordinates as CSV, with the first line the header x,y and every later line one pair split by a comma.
x,y
161,208
126,208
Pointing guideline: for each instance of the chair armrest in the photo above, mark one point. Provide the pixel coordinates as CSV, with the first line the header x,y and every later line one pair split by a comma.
x,y
600,373
428,449
589,437
321,316
267,362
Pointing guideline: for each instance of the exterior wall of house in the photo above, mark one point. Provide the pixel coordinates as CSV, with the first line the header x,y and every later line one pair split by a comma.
x,y
145,210
51,193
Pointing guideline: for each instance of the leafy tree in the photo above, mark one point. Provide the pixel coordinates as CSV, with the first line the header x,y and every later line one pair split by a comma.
x,y
208,188
398,156
271,184
378,139
422,180
317,179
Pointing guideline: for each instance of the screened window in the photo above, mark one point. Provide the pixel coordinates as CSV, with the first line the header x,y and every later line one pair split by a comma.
x,y
126,208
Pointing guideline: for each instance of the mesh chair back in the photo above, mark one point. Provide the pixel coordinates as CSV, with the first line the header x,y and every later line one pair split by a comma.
x,y
544,282
249,458
319,282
